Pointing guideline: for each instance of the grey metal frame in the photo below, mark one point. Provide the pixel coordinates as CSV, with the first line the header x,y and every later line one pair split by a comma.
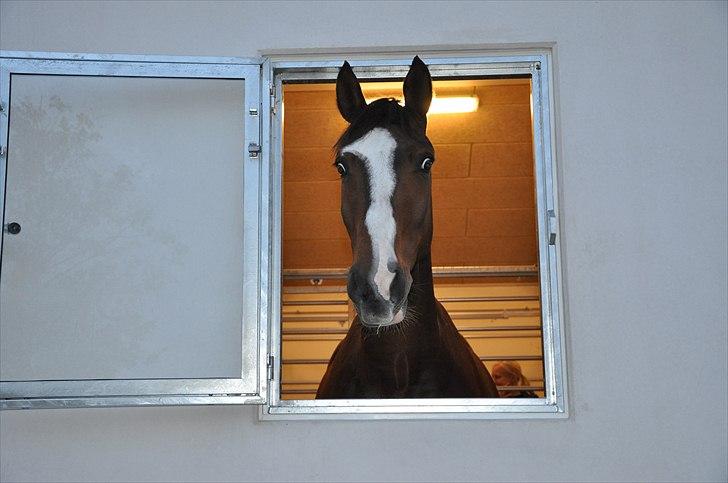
x,y
251,386
535,63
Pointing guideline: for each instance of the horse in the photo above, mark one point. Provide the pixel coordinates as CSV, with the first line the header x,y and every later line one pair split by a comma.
x,y
402,343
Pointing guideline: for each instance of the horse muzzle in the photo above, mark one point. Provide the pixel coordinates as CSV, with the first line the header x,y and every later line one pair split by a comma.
x,y
373,309
392,317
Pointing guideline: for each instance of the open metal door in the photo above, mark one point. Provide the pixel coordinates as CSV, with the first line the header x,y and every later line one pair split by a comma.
x,y
131,197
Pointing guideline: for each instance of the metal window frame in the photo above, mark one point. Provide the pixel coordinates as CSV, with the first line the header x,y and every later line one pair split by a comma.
x,y
537,63
251,386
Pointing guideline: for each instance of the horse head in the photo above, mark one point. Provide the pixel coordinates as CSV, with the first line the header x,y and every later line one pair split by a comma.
x,y
384,159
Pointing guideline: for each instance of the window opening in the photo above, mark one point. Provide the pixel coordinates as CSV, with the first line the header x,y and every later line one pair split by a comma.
x,y
485,246
495,250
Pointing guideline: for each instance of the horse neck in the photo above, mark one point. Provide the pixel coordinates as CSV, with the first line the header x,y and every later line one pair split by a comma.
x,y
422,293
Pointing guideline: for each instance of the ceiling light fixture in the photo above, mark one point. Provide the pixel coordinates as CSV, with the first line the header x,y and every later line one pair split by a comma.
x,y
449,104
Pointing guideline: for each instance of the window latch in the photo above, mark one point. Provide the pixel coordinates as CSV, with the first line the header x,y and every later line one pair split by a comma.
x,y
254,150
271,361
552,227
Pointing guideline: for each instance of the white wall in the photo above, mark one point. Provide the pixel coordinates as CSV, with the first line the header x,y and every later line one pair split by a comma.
x,y
642,101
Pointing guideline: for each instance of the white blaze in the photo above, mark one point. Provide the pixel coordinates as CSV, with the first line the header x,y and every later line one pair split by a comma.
x,y
376,149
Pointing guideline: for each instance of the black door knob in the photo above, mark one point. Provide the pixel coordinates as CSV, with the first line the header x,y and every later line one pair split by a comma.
x,y
13,228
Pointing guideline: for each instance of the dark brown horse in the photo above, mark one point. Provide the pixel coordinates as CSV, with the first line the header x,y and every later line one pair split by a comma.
x,y
402,344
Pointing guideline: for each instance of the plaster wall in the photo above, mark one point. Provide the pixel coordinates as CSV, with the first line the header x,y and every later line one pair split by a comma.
x,y
642,122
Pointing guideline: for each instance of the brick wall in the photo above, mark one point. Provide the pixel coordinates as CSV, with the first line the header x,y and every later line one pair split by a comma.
x,y
483,190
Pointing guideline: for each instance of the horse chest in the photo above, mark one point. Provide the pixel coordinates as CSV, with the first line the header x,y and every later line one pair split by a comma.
x,y
401,374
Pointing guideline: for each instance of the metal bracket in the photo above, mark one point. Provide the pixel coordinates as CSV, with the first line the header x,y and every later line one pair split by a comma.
x,y
552,227
254,150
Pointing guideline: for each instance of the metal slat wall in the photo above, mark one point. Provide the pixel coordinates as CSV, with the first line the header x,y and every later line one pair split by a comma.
x,y
500,319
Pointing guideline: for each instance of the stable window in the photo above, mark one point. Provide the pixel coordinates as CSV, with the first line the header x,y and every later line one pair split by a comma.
x,y
495,249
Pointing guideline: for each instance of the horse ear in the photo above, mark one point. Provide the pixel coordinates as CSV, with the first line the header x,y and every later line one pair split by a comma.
x,y
418,87
349,97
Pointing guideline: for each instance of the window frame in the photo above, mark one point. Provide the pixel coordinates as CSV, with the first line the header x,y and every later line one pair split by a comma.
x,y
537,64
251,386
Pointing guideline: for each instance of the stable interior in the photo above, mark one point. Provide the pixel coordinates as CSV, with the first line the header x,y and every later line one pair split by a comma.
x,y
484,214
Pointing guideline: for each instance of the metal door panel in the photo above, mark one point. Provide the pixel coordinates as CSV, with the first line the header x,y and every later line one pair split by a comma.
x,y
138,202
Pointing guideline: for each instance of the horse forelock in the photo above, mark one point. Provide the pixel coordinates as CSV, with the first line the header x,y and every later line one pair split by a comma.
x,y
383,113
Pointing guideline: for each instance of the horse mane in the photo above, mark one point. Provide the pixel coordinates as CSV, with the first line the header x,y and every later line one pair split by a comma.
x,y
383,112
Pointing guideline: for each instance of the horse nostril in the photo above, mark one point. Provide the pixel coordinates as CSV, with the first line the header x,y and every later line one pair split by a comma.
x,y
355,292
358,287
398,288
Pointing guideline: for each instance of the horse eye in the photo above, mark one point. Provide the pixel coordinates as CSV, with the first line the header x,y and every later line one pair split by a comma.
x,y
341,169
426,164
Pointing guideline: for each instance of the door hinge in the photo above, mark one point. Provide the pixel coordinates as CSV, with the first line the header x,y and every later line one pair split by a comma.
x,y
552,227
271,367
254,150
